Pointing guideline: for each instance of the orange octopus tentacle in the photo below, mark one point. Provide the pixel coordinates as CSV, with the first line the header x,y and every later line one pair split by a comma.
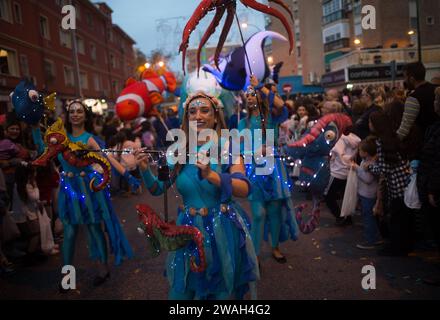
x,y
282,4
273,12
228,23
211,29
198,15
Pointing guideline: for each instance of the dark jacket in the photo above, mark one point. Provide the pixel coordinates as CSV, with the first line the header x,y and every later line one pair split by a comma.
x,y
361,128
428,174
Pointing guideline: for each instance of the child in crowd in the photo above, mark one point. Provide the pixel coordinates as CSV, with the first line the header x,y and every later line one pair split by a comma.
x,y
28,210
367,192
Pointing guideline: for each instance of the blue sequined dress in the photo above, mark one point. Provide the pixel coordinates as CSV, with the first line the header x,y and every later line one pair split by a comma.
x,y
276,186
230,255
78,205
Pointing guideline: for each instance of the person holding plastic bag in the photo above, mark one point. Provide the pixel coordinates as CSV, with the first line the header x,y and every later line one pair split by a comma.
x,y
30,216
411,196
340,162
350,199
367,191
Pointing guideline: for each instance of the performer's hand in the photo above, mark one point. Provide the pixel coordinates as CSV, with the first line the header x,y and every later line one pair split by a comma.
x,y
254,81
141,159
203,165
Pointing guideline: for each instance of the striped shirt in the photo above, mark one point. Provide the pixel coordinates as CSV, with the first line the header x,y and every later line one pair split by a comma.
x,y
410,114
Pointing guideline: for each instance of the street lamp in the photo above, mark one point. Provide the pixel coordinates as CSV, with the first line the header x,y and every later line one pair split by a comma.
x,y
161,64
147,65
357,41
270,59
411,32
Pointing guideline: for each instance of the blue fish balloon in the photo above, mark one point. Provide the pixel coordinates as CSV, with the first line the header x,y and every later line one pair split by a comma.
x,y
28,102
234,73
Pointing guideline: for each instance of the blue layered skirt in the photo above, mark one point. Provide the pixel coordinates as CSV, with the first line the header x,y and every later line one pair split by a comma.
x,y
231,261
78,205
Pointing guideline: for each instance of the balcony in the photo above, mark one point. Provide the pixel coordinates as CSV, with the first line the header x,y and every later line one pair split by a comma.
x,y
337,44
335,16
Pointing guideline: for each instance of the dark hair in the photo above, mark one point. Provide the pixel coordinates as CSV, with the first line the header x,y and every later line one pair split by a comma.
x,y
22,176
416,70
394,110
129,135
385,132
88,124
357,92
369,146
308,104
120,137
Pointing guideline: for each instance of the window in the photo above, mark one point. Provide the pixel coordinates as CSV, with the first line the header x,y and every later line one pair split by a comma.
x,y
430,20
97,82
331,7
17,13
8,62
44,27
84,83
413,23
65,39
24,65
49,69
89,20
298,49
93,51
112,61
5,10
358,29
80,45
68,76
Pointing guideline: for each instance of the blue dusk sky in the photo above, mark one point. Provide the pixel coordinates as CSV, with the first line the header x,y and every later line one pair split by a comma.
x,y
159,23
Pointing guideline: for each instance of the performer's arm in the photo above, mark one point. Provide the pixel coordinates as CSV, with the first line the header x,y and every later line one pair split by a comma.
x,y
37,138
238,182
132,181
274,99
115,163
154,186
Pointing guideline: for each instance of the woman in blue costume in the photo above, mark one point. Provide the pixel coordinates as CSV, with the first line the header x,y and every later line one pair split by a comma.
x,y
271,193
207,187
78,205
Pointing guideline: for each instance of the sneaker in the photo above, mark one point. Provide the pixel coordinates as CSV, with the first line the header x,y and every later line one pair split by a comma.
x,y
365,246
